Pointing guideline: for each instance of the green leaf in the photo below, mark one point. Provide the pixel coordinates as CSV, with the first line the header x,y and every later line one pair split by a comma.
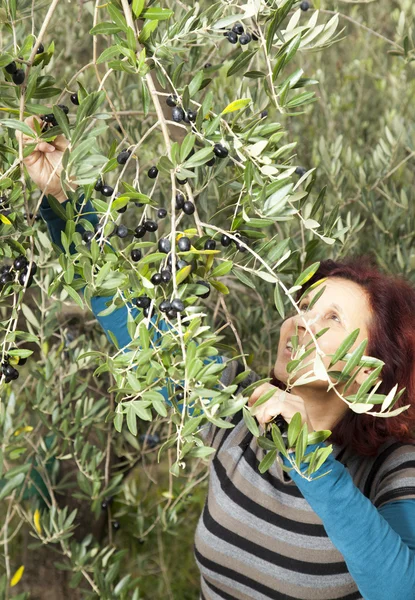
x,y
278,301
315,437
141,410
236,105
263,398
201,451
221,287
196,82
117,16
301,445
15,124
199,158
74,295
345,346
241,61
294,429
105,28
222,269
278,439
307,274
250,422
323,454
267,462
137,7
267,277
156,13
187,146
11,485
28,313
278,18
131,419
118,419
183,273
354,359
62,120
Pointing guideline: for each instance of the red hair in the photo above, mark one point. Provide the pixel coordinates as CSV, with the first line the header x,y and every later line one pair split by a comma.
x,y
391,338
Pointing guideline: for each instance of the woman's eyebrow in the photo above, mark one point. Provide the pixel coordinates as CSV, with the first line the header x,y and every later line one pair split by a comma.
x,y
333,305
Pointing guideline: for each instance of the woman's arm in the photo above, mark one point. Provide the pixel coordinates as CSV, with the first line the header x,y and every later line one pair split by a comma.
x,y
378,559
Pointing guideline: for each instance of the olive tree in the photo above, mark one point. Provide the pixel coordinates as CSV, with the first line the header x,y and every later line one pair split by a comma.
x,y
189,126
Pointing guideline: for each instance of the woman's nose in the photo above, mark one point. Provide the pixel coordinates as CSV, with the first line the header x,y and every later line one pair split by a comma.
x,y
311,318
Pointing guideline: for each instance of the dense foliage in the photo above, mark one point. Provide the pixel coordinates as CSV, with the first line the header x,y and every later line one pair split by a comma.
x,y
309,120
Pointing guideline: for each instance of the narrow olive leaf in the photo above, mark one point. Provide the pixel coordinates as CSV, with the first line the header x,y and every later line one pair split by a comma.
x,y
278,439
62,120
370,381
236,105
192,425
131,419
183,273
137,7
201,451
294,429
278,18
323,454
345,347
279,304
250,422
265,443
316,297
301,445
105,28
389,398
222,269
117,17
15,124
267,277
144,336
315,437
262,399
307,274
241,61
199,158
187,146
11,485
157,14
267,461
354,358
74,295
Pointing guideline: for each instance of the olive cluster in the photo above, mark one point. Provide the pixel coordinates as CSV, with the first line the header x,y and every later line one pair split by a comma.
x,y
50,118
18,75
8,370
20,265
178,114
238,34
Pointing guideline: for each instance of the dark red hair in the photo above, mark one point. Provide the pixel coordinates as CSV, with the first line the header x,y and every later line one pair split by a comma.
x,y
391,338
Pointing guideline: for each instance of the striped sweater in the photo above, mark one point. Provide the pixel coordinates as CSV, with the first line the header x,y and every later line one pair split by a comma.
x,y
348,535
258,537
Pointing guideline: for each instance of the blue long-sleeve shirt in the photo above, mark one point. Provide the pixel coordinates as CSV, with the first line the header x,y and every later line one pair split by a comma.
x,y
378,544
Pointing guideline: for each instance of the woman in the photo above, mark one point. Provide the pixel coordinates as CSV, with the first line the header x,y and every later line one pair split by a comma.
x,y
348,535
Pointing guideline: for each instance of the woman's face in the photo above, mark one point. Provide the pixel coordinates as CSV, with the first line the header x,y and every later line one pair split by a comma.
x,y
343,307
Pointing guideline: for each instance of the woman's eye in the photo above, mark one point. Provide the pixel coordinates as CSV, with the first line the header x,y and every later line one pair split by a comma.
x,y
305,306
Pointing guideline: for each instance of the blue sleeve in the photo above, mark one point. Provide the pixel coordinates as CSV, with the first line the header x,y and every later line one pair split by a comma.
x,y
380,560
116,322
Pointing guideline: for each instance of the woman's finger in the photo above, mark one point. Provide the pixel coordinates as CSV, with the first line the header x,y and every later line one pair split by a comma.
x,y
45,147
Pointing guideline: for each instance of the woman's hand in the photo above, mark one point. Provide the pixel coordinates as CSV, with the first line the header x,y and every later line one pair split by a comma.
x,y
43,159
281,403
